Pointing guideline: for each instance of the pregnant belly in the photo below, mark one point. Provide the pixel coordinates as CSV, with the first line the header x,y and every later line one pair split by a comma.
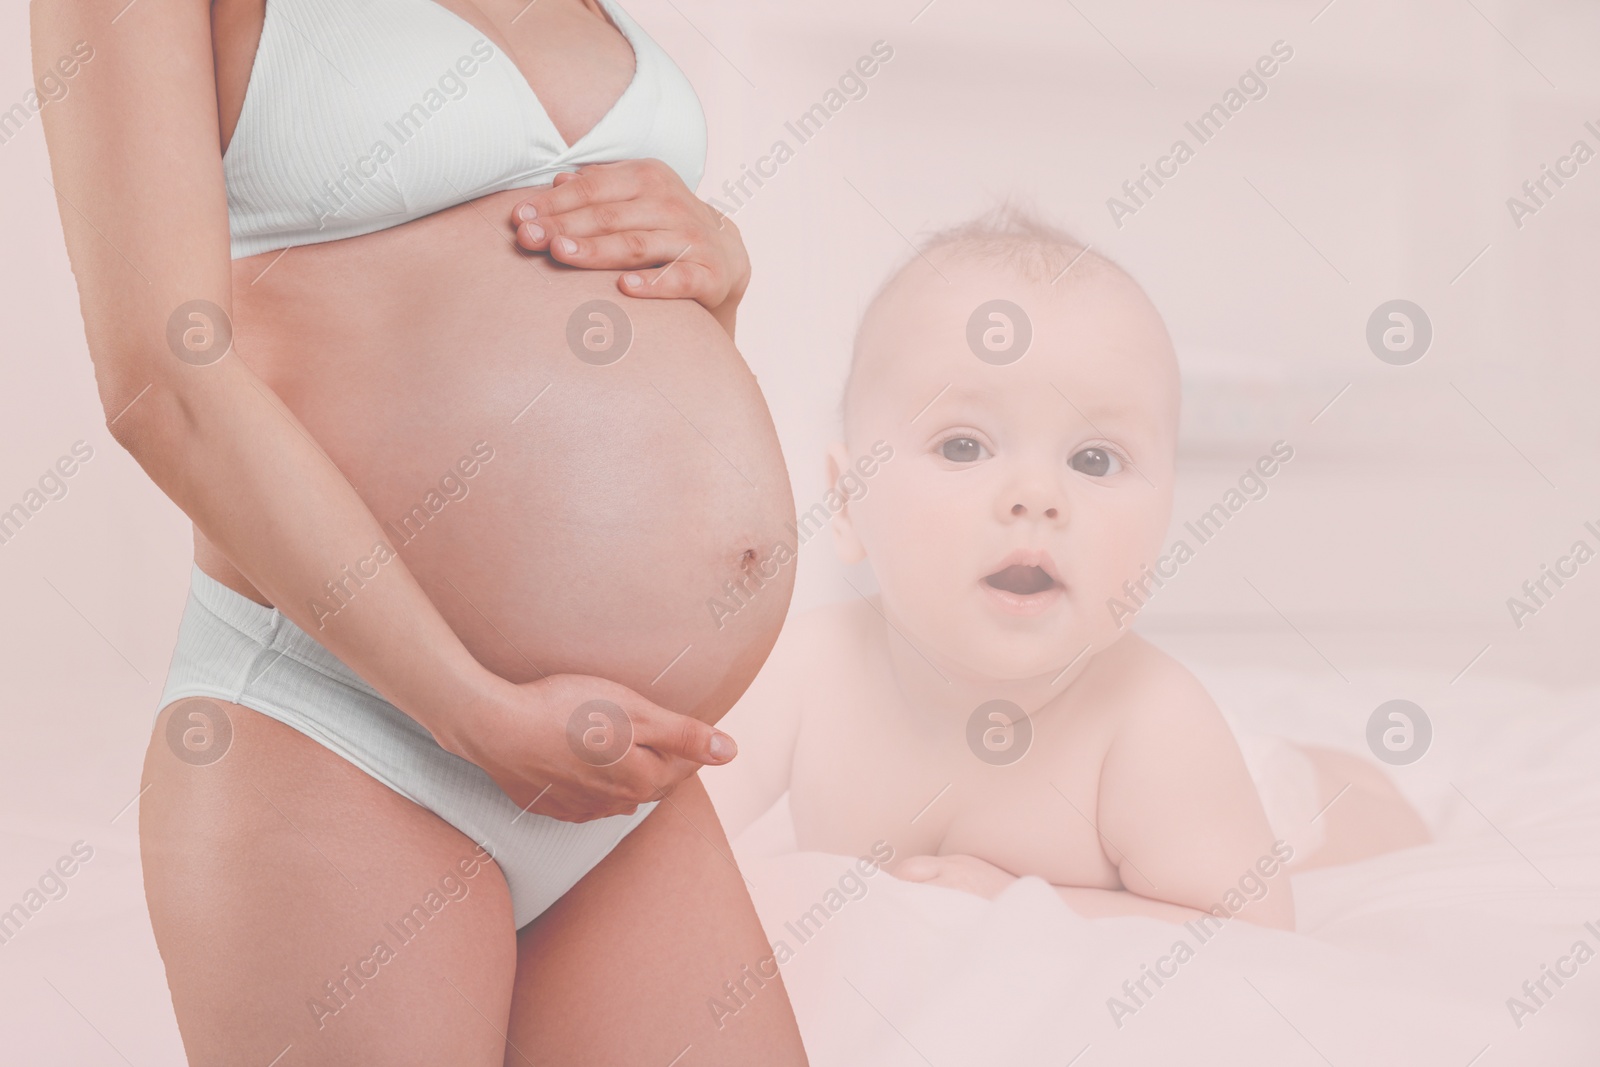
x,y
583,482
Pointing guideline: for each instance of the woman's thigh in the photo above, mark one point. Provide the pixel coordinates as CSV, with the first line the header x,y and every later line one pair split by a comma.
x,y
627,968
305,910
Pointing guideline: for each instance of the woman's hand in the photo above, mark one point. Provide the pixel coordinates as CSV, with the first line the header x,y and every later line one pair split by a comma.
x,y
967,873
638,216
578,748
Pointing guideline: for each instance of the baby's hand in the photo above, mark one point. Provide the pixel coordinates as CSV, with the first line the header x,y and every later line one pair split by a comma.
x,y
963,872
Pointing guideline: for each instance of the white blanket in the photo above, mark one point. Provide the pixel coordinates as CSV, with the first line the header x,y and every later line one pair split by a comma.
x,y
1408,958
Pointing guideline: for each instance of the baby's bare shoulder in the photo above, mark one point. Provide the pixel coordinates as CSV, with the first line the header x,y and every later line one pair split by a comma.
x,y
1145,688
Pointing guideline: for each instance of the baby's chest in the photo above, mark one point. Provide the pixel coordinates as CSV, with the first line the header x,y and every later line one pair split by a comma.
x,y
1042,825
858,780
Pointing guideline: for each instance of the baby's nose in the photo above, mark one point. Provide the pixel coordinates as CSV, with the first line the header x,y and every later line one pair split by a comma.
x,y
1021,511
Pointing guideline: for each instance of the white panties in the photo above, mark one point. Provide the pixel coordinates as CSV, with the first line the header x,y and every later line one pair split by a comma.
x,y
231,648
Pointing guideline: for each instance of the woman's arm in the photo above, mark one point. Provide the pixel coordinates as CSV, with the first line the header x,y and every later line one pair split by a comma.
x,y
137,170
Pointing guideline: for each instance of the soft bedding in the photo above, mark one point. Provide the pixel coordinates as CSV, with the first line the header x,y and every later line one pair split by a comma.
x,y
1414,957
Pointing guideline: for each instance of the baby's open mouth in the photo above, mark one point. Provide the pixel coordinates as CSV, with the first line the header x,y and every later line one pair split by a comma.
x,y
1021,580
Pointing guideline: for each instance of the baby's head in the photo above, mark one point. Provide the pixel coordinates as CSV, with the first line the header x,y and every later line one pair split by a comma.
x,y
1030,393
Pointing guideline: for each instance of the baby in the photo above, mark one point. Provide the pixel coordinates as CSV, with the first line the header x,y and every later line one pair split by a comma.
x,y
1011,415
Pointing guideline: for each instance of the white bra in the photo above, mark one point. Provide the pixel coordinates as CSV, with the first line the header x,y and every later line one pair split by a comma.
x,y
366,114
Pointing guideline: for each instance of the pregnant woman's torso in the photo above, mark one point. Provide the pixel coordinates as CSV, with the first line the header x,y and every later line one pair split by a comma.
x,y
618,500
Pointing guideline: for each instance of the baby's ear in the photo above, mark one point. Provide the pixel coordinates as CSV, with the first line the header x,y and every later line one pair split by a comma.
x,y
845,541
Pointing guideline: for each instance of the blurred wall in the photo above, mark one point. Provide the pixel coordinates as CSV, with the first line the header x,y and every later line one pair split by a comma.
x,y
1377,166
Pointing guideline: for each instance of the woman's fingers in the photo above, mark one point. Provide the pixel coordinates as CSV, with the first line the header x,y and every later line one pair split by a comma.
x,y
593,184
578,748
663,263
663,749
622,250
680,736
636,215
595,220
685,278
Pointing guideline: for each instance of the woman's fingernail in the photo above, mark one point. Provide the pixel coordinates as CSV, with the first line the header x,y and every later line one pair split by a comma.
x,y
632,281
567,245
722,747
534,232
527,212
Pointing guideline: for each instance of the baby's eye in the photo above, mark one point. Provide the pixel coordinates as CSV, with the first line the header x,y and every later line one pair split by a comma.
x,y
962,450
1095,462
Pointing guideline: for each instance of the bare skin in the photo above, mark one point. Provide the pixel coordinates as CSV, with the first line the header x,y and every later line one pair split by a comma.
x,y
361,372
308,862
827,721
1132,796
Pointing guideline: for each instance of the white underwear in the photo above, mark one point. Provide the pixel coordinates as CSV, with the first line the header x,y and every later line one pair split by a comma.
x,y
231,648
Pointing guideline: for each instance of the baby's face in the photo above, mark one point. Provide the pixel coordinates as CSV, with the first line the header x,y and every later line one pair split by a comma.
x,y
1021,496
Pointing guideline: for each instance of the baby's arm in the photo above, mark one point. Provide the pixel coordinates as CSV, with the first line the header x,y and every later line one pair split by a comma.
x,y
765,724
1179,813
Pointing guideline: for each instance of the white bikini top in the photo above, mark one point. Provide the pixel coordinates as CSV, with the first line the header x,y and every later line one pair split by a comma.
x,y
366,114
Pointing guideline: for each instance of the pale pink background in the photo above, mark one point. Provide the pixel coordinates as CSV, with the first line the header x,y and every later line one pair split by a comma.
x,y
1391,141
